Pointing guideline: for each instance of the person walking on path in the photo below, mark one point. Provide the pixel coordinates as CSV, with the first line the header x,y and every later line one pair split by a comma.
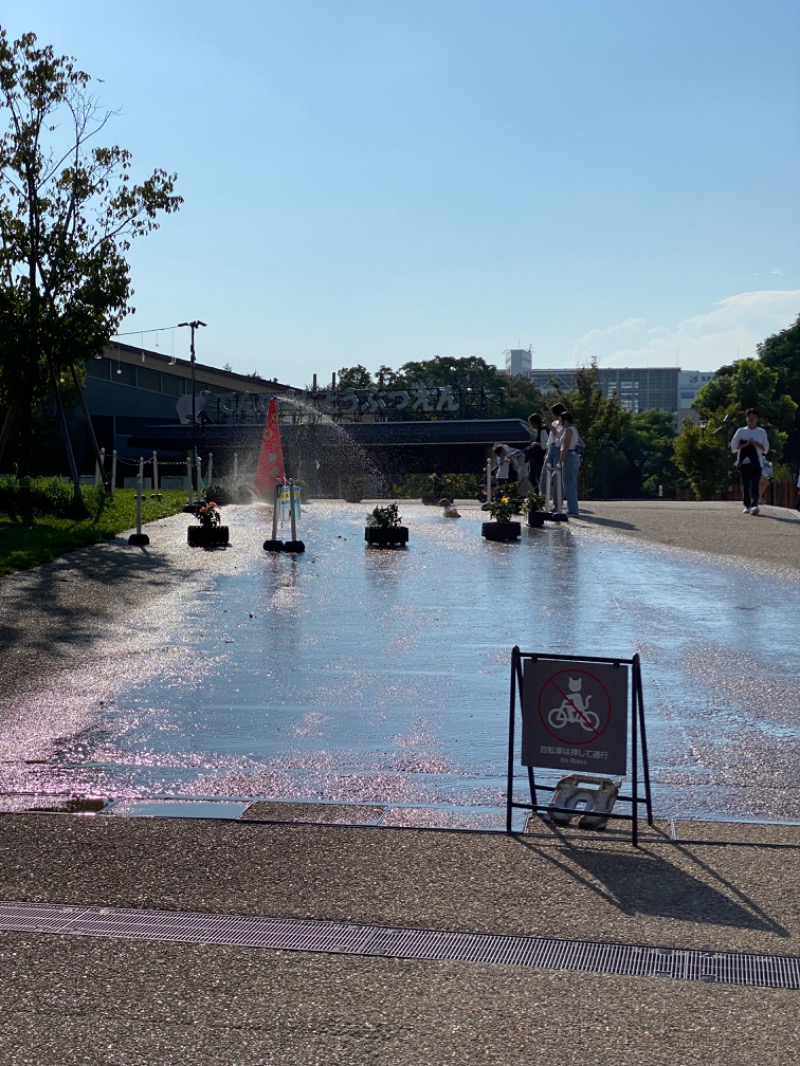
x,y
750,444
570,460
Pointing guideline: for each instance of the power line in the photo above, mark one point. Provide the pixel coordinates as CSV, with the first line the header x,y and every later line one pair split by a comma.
x,y
139,332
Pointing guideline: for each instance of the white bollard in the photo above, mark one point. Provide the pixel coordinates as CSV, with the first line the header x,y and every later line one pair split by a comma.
x,y
99,468
138,537
139,492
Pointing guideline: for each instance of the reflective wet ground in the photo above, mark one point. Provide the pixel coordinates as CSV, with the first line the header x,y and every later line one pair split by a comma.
x,y
381,677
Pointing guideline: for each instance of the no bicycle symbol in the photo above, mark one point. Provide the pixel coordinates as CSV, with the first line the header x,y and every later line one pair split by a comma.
x,y
574,715
574,707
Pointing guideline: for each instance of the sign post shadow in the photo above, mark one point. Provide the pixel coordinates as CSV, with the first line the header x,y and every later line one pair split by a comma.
x,y
575,714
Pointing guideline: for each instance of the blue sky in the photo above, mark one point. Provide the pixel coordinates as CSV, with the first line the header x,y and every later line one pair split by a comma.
x,y
374,182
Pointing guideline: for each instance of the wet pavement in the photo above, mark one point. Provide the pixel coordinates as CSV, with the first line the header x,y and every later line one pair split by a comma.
x,y
352,675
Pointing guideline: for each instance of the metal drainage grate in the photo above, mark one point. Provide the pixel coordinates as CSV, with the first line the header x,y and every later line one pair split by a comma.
x,y
291,934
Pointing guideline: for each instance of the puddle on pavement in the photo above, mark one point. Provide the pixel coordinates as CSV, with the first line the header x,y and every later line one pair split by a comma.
x,y
382,678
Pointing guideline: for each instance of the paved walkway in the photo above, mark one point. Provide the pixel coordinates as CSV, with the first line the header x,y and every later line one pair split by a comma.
x,y
70,999
78,999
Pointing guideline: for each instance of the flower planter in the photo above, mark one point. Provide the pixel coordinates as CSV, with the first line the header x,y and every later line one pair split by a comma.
x,y
208,536
536,519
381,537
501,530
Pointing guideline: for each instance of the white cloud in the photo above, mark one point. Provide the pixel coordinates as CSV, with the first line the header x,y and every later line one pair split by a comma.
x,y
702,342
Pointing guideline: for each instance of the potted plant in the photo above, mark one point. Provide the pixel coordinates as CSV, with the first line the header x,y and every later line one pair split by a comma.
x,y
210,533
384,527
533,507
502,511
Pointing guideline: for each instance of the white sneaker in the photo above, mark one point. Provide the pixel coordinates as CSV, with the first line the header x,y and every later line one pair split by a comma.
x,y
746,510
754,510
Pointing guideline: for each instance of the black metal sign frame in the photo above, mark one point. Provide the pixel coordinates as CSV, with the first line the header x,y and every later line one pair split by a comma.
x,y
638,741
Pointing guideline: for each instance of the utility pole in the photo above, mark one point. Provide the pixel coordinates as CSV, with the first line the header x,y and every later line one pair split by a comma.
x,y
193,326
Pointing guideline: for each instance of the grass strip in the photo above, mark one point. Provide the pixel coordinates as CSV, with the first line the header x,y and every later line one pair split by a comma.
x,y
30,540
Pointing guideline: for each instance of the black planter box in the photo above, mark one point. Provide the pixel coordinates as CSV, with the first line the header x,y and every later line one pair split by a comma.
x,y
536,519
208,536
501,530
386,538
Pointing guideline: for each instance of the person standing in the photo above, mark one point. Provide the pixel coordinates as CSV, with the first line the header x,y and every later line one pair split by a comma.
x,y
536,450
570,460
553,449
750,444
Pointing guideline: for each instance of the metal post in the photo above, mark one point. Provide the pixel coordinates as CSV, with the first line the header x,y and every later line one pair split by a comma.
x,y
511,715
99,468
155,472
138,537
275,509
189,480
292,518
139,491
488,480
235,467
113,471
210,469
193,326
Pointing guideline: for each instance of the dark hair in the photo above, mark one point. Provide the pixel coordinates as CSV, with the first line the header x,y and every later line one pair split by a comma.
x,y
752,411
566,415
558,409
535,419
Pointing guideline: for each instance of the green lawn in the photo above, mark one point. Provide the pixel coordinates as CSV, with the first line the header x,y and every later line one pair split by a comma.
x,y
29,541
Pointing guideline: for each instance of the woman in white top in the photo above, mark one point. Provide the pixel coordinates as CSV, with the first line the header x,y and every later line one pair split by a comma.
x,y
570,461
750,444
553,446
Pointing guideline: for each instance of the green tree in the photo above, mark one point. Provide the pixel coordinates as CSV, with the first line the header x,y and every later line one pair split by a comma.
x,y
701,456
478,386
68,212
354,377
781,353
522,398
648,442
601,422
747,383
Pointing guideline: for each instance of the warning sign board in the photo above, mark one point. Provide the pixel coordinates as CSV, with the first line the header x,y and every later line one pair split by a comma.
x,y
575,716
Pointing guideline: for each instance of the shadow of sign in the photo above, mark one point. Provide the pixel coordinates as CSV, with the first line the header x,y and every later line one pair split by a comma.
x,y
647,884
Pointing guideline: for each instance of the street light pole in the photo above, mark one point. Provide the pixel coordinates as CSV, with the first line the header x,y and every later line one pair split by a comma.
x,y
193,326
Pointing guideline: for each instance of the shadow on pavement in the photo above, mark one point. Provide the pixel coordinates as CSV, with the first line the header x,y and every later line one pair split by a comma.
x,y
640,882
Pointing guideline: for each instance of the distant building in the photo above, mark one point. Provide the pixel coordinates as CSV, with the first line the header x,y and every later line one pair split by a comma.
x,y
689,384
518,361
637,388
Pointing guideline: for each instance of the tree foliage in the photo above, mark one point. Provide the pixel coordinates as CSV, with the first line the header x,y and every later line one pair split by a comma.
x,y
648,443
68,212
354,377
601,422
748,383
700,454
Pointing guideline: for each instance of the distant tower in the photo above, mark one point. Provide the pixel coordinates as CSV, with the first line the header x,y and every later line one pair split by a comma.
x,y
518,361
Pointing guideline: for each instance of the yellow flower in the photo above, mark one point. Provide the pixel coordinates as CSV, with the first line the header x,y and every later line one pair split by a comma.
x,y
504,499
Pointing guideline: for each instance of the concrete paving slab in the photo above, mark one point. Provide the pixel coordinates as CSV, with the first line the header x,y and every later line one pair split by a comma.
x,y
105,1002
694,894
